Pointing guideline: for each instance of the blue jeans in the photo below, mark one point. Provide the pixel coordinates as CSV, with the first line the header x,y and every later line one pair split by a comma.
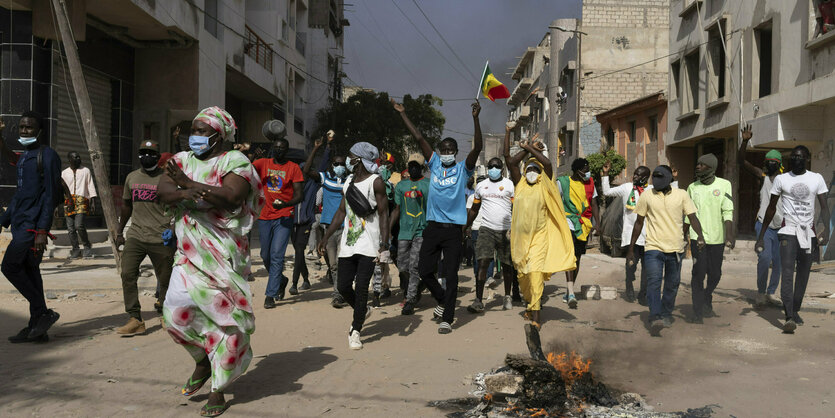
x,y
769,257
274,235
666,266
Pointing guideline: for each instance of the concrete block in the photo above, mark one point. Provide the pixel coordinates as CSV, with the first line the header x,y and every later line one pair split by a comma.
x,y
608,293
589,292
507,384
814,310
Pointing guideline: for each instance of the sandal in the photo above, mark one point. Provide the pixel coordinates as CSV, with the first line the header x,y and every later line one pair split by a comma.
x,y
213,411
195,385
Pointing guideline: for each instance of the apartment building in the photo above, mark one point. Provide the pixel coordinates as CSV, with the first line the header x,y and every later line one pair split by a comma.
x,y
150,66
528,100
761,62
637,131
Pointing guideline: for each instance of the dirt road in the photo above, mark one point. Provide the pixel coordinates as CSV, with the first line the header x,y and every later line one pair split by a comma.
x,y
303,367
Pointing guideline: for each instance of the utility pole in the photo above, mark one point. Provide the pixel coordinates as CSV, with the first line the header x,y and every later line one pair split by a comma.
x,y
91,135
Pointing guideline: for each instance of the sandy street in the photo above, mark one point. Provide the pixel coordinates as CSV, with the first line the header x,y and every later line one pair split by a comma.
x,y
739,362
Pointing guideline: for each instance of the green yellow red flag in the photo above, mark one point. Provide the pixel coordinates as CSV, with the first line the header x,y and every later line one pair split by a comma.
x,y
491,87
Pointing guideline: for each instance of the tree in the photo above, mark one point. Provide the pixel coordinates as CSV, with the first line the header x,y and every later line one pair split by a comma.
x,y
368,116
597,159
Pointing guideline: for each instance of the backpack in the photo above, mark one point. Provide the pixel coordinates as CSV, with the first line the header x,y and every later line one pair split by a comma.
x,y
57,188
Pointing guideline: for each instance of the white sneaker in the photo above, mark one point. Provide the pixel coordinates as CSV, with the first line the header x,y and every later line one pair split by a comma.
x,y
354,342
773,300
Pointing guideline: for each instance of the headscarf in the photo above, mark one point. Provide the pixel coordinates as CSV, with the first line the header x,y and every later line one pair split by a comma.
x,y
710,160
220,120
664,181
368,154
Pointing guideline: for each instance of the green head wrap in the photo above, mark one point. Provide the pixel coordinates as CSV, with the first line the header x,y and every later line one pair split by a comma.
x,y
774,155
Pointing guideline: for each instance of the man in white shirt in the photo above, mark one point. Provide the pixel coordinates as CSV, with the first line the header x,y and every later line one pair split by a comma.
x,y
493,199
796,192
79,204
630,193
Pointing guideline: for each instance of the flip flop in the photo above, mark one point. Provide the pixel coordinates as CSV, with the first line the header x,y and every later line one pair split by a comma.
x,y
213,411
191,383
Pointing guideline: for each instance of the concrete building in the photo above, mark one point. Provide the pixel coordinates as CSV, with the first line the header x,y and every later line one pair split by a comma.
x,y
637,130
608,58
152,65
755,62
528,100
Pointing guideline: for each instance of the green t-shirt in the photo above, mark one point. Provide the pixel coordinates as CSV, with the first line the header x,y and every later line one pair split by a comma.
x,y
411,196
148,218
714,206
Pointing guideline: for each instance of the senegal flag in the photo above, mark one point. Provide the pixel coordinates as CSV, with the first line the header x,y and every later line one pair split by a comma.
x,y
492,88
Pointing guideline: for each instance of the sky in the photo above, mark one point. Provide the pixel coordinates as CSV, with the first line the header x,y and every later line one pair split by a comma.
x,y
383,50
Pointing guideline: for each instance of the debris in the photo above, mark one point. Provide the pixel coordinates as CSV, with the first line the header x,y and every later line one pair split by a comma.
x,y
503,383
589,291
614,330
608,293
71,295
51,295
112,381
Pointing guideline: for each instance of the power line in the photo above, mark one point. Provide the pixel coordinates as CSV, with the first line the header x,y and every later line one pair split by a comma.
x,y
444,40
428,41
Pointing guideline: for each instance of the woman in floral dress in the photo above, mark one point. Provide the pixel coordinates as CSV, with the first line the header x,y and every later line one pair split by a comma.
x,y
215,196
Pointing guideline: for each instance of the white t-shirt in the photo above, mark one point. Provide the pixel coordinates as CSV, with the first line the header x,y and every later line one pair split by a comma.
x,y
496,199
765,199
629,215
797,198
360,236
80,182
477,221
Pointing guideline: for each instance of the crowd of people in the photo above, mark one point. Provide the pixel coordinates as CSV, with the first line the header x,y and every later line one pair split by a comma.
x,y
192,214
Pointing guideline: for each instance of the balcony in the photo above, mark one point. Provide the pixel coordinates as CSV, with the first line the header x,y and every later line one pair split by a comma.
x,y
258,50
526,59
524,113
301,42
521,91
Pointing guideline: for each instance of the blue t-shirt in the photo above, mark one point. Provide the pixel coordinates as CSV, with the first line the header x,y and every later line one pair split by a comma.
x,y
447,192
331,195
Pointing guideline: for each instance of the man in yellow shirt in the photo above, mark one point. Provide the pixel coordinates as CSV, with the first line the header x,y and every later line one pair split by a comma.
x,y
664,208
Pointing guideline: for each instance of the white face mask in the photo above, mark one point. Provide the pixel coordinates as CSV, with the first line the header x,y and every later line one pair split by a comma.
x,y
351,163
448,159
532,177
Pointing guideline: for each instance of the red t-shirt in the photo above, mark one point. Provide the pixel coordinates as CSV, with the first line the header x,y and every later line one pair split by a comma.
x,y
277,181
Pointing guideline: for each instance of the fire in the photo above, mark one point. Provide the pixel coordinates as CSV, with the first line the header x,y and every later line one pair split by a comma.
x,y
571,366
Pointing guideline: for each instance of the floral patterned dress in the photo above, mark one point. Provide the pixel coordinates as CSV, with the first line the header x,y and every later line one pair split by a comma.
x,y
208,307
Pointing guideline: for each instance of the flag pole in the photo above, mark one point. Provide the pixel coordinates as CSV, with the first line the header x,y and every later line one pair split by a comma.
x,y
481,83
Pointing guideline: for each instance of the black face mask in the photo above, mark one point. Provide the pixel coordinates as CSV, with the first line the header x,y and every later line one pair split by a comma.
x,y
798,165
149,162
279,154
415,172
772,167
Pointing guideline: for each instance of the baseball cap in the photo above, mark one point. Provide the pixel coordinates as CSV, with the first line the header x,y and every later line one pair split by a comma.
x,y
148,144
416,157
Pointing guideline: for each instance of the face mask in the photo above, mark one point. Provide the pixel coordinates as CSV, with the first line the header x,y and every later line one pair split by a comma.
x,y
415,172
339,171
639,183
532,177
587,175
279,154
772,167
494,173
200,144
660,183
149,162
27,141
385,173
351,163
447,159
798,165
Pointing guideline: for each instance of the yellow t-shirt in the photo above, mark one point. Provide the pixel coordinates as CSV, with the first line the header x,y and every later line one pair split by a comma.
x,y
664,222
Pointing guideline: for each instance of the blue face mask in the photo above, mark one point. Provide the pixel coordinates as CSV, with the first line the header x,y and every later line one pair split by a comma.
x,y
587,175
447,159
27,141
494,173
200,144
339,171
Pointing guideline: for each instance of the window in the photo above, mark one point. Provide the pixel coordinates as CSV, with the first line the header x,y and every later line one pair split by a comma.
x,y
278,111
633,131
610,138
762,63
210,19
675,71
690,86
653,128
567,82
716,61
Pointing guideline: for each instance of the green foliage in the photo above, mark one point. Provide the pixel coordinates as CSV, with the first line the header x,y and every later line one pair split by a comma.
x,y
597,159
369,116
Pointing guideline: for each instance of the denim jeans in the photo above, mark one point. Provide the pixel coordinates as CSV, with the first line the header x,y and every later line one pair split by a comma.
x,y
706,263
631,269
331,253
407,264
796,266
770,257
667,267
77,231
274,235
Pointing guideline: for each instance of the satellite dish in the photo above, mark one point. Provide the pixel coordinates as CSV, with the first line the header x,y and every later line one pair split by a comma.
x,y
274,130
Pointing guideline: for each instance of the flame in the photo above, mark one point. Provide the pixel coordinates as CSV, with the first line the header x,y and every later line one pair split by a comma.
x,y
488,397
571,366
